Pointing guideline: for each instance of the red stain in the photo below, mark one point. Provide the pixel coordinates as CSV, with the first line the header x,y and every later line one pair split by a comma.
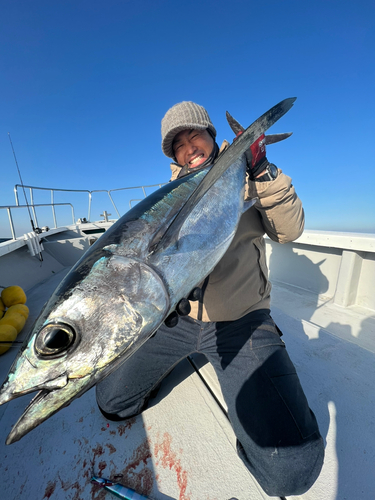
x,y
111,448
51,486
103,429
98,492
169,460
77,487
98,451
141,481
80,420
102,465
22,487
128,425
88,473
113,433
64,485
135,474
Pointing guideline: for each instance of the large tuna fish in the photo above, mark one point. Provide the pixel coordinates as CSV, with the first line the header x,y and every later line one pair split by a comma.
x,y
129,281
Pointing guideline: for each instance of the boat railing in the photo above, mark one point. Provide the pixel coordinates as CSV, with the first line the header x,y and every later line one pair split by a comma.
x,y
32,206
9,209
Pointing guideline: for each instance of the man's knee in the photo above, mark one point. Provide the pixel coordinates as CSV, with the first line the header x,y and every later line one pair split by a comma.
x,y
113,409
284,472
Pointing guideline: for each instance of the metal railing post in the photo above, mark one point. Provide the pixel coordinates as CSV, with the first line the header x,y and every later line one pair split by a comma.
x,y
33,207
11,223
113,203
53,209
16,194
89,214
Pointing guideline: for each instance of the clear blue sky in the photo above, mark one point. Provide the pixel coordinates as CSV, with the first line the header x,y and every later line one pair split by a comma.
x,y
85,83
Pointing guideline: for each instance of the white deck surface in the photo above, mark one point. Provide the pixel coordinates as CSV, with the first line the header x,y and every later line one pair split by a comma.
x,y
182,447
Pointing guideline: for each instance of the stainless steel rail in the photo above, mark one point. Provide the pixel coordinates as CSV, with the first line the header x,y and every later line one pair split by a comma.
x,y
52,191
32,205
9,208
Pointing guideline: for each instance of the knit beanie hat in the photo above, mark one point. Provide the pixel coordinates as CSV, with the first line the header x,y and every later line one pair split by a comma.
x,y
182,116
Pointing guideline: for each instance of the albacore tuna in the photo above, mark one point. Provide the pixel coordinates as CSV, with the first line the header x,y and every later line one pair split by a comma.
x,y
130,280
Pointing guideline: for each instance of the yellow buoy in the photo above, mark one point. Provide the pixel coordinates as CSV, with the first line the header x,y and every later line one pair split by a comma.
x,y
18,308
7,333
15,319
13,295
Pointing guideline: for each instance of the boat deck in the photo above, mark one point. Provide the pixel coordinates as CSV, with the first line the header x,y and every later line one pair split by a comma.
x,y
182,447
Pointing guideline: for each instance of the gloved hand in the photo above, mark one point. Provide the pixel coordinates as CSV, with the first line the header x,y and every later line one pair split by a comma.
x,y
183,308
256,157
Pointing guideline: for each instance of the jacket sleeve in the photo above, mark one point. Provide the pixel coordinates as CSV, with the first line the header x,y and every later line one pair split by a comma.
x,y
280,208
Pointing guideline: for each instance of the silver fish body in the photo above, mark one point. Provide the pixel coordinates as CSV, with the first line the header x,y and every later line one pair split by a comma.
x,y
120,292
130,280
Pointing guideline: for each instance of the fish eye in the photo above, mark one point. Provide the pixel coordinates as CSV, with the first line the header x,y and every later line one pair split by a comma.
x,y
55,339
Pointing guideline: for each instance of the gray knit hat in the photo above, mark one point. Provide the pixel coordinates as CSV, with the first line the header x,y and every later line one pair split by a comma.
x,y
182,116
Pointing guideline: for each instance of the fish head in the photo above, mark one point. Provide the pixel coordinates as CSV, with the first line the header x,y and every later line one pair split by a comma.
x,y
85,331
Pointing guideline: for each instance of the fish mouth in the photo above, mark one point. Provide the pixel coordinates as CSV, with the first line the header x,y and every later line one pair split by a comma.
x,y
45,404
53,341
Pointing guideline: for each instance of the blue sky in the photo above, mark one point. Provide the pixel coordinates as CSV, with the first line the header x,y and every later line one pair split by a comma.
x,y
84,85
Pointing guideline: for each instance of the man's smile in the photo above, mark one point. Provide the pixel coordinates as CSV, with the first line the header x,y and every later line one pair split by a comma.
x,y
197,160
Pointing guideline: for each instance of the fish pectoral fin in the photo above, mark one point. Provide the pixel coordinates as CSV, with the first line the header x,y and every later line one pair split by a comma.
x,y
45,404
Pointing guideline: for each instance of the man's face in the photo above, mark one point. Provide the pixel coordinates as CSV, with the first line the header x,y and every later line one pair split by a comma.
x,y
193,147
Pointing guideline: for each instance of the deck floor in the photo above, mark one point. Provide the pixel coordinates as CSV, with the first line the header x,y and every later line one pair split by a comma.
x,y
182,447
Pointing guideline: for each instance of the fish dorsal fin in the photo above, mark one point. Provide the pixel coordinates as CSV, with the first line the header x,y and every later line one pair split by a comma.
x,y
224,161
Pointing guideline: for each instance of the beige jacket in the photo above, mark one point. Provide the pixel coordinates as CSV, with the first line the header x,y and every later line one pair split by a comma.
x,y
239,283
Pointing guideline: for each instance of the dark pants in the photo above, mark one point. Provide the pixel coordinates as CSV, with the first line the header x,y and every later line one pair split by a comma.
x,y
277,434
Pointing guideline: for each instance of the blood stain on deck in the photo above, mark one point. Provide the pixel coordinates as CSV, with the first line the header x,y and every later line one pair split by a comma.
x,y
169,460
111,448
102,465
98,451
51,486
121,429
141,481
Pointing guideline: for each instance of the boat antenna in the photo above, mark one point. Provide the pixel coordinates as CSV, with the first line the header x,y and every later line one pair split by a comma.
x,y
24,193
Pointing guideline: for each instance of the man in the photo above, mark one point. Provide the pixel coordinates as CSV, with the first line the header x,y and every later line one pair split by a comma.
x,y
277,434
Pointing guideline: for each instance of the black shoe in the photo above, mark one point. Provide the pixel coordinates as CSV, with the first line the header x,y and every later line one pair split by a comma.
x,y
112,416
